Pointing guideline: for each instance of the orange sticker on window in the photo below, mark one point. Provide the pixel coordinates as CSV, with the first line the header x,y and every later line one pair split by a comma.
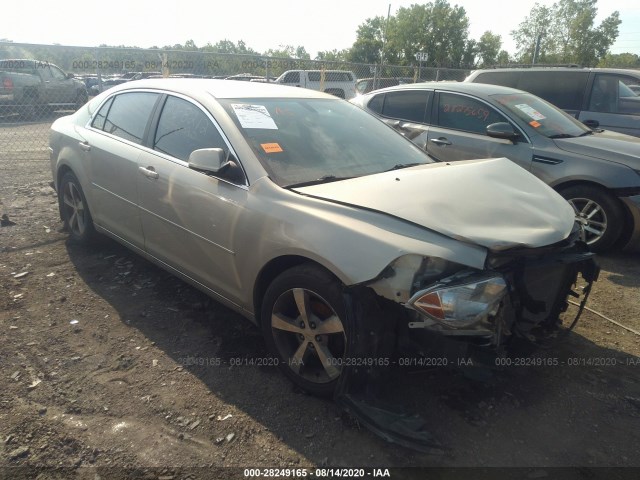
x,y
271,147
534,124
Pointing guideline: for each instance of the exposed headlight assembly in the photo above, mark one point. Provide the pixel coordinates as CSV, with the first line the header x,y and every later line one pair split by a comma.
x,y
462,304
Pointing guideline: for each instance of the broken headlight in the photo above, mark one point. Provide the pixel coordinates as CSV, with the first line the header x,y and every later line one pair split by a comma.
x,y
461,304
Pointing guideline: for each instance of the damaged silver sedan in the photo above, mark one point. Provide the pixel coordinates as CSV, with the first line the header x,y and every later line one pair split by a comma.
x,y
317,221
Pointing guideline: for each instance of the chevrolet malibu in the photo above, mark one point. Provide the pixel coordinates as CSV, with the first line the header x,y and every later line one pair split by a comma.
x,y
316,221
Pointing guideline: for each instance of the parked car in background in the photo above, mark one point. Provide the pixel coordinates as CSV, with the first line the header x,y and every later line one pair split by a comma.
x,y
315,220
598,97
598,172
339,83
246,77
366,85
107,84
31,87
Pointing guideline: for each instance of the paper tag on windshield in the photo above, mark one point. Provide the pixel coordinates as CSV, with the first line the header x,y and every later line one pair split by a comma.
x,y
271,147
253,116
532,112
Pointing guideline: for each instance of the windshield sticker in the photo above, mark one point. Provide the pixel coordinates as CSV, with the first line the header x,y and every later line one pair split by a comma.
x,y
271,147
532,112
534,124
254,116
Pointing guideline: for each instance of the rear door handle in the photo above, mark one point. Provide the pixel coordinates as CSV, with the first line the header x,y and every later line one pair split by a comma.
x,y
149,172
84,146
440,141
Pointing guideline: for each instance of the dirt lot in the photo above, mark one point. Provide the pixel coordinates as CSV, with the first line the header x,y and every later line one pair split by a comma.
x,y
109,362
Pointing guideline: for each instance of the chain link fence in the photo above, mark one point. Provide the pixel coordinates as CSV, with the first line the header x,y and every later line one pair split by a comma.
x,y
39,83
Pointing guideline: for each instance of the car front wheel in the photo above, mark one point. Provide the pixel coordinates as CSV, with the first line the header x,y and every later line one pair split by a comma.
x,y
74,209
303,321
599,214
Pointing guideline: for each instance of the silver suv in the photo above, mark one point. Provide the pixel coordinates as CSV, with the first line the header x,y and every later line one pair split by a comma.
x,y
598,172
598,97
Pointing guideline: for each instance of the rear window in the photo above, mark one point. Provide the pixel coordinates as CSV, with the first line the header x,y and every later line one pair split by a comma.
x,y
506,79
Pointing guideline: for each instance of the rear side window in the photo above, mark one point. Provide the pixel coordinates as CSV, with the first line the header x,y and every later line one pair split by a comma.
x,y
375,104
101,116
409,105
129,114
460,112
564,89
183,128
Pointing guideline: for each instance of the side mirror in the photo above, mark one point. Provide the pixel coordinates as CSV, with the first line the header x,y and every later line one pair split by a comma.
x,y
70,75
215,161
502,130
208,160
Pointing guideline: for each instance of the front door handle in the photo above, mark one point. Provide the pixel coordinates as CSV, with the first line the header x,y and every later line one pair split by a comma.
x,y
440,141
84,146
149,172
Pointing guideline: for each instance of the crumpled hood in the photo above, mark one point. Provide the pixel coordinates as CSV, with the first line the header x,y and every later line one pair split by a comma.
x,y
607,145
493,203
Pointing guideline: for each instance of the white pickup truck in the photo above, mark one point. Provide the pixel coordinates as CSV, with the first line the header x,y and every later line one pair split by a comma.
x,y
340,83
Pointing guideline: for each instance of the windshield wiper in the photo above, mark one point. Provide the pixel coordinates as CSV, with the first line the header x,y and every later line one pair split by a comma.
x,y
318,181
400,166
588,132
562,135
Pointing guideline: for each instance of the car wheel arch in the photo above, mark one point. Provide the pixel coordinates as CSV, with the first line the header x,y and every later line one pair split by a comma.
x,y
272,269
616,209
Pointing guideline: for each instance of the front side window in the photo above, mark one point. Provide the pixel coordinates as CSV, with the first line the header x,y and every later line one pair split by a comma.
x,y
410,105
183,128
460,112
57,73
292,77
611,94
129,114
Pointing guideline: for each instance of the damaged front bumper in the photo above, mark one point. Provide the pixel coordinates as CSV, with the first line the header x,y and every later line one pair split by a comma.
x,y
520,292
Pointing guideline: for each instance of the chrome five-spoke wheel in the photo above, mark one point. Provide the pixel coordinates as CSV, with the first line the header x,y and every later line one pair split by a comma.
x,y
303,324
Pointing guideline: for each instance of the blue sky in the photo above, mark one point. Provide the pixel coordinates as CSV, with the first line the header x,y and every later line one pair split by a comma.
x,y
320,25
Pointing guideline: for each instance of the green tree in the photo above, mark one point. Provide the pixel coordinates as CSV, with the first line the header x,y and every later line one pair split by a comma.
x,y
488,49
436,28
568,33
332,55
369,41
620,60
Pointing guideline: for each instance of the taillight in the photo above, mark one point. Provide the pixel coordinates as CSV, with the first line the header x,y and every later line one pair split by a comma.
x,y
7,83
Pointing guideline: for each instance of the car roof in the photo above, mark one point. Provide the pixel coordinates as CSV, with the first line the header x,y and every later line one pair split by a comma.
x,y
627,71
222,88
460,87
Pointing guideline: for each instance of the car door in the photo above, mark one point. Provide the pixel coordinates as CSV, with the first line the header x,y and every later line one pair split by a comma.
x,y
112,146
65,88
612,105
405,111
458,131
189,218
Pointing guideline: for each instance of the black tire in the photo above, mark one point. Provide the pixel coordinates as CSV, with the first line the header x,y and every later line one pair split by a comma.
x,y
81,98
599,213
300,342
75,210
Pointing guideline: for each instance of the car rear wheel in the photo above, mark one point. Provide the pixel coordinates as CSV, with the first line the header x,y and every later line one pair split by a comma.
x,y
74,209
303,321
599,214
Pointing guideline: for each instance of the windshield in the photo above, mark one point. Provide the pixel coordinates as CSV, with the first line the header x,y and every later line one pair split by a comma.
x,y
543,117
300,140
